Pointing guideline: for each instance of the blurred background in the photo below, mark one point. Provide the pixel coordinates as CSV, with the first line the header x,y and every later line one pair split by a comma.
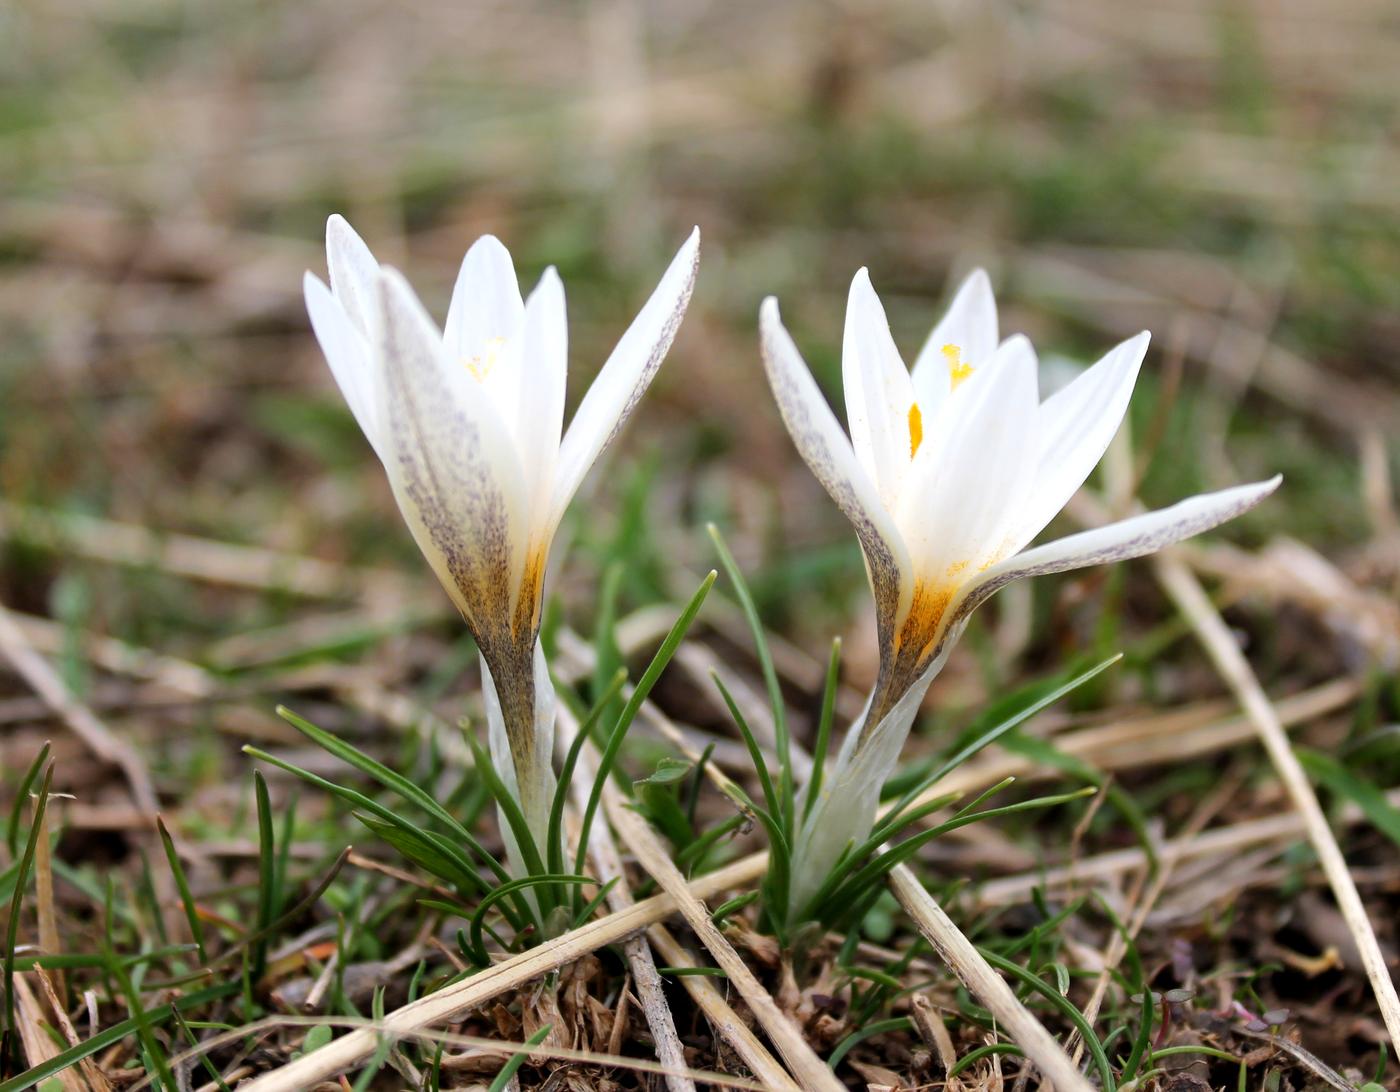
x,y
193,526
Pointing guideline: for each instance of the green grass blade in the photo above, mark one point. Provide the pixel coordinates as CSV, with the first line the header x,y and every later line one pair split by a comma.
x,y
880,1027
477,941
393,781
566,772
629,711
596,901
373,807
1331,774
824,724
1003,716
267,872
182,884
765,781
781,739
31,846
515,817
112,1035
1066,1008
17,808
517,1060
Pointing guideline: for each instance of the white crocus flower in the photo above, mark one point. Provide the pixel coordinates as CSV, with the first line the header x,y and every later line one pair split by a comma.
x,y
467,421
950,471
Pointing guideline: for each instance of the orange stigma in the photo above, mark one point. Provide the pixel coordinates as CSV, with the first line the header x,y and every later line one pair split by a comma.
x,y
958,369
916,429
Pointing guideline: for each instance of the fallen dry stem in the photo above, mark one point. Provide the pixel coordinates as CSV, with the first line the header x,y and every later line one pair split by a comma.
x,y
721,1014
504,1048
813,1075
986,985
1223,840
607,865
45,681
509,974
1186,591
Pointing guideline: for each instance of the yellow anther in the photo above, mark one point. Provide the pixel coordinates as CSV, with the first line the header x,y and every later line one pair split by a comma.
x,y
480,366
916,429
958,369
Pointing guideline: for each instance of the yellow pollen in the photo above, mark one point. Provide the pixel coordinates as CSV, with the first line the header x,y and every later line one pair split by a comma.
x,y
480,366
916,429
958,369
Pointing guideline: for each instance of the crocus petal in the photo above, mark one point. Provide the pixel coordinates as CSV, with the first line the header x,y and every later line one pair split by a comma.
x,y
970,324
482,334
827,452
347,352
1077,424
625,377
1129,538
451,463
844,811
531,780
353,271
976,474
879,396
543,374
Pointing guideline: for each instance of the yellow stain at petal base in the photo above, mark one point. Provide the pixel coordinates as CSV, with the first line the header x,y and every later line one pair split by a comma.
x,y
916,429
480,366
958,369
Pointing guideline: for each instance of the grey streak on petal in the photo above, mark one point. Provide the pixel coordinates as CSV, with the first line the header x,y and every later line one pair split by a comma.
x,y
444,473
810,441
658,353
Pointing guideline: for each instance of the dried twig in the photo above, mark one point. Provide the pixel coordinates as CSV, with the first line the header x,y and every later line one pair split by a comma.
x,y
608,867
41,676
1183,587
722,1015
452,1001
986,985
813,1075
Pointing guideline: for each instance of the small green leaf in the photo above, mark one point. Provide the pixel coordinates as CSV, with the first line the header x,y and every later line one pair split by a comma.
x,y
1330,773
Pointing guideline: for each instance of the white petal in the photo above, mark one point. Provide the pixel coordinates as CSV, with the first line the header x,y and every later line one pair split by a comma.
x,y
626,375
451,463
828,453
844,811
347,352
482,334
353,271
1129,538
533,781
1077,424
879,396
543,374
970,324
964,491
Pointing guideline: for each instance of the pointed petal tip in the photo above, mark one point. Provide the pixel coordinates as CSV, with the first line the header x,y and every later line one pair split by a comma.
x,y
489,242
690,250
340,233
768,314
1138,343
978,282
